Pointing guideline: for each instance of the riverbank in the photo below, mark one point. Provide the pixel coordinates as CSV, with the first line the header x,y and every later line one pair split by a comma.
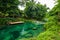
x,y
4,21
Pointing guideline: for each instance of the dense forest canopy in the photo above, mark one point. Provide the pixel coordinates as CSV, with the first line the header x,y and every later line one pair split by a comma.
x,y
9,7
33,10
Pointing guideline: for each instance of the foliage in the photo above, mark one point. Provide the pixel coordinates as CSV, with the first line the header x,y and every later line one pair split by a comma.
x,y
9,10
49,35
9,7
4,21
52,27
51,21
33,38
35,11
51,32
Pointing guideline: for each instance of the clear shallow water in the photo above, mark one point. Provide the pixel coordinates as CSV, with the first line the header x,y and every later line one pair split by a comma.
x,y
25,30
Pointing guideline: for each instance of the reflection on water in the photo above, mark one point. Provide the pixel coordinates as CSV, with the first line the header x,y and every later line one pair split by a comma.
x,y
25,30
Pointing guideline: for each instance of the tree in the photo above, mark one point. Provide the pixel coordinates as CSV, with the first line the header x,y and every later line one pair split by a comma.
x,y
35,11
9,7
23,2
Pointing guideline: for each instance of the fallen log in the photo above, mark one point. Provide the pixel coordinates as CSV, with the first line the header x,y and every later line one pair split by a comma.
x,y
15,22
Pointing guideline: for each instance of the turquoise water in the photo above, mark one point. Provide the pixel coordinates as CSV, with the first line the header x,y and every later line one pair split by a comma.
x,y
24,30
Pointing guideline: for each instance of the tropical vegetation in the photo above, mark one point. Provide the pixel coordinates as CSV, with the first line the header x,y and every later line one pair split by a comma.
x,y
9,12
